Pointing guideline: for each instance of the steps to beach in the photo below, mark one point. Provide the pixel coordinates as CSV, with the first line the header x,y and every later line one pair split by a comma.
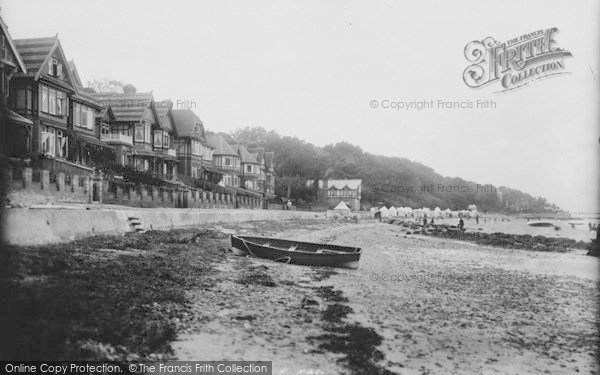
x,y
136,224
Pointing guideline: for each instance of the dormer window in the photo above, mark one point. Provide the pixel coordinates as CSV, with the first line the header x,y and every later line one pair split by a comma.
x,y
54,68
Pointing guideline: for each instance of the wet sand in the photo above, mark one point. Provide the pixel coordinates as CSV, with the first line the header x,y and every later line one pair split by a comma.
x,y
441,306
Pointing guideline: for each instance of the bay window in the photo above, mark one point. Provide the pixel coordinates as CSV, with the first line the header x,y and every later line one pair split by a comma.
x,y
53,101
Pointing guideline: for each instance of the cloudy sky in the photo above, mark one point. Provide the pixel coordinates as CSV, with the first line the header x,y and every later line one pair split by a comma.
x,y
311,69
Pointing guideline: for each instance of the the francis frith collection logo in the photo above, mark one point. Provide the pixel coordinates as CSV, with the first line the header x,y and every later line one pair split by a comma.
x,y
514,63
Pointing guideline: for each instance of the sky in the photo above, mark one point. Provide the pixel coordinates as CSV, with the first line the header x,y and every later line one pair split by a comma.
x,y
313,69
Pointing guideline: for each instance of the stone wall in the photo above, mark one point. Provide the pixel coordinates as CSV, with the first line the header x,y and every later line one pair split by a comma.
x,y
30,186
43,226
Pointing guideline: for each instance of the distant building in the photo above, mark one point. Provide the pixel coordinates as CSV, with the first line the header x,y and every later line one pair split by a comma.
x,y
332,192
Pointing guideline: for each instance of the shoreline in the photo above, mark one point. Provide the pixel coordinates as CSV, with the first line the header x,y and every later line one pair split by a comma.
x,y
183,289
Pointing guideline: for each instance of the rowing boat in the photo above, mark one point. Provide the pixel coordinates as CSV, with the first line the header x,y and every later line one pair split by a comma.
x,y
541,224
297,252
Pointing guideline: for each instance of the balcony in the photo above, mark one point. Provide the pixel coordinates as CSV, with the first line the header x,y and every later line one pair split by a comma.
x,y
163,150
115,138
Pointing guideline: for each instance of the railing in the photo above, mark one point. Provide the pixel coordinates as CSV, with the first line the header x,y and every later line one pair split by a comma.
x,y
59,165
117,138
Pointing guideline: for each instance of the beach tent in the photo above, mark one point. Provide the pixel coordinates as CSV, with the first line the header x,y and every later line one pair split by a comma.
x,y
392,211
437,212
447,213
384,211
342,209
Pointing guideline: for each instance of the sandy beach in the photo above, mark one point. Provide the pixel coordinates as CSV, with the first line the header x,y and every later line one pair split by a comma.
x,y
440,306
416,305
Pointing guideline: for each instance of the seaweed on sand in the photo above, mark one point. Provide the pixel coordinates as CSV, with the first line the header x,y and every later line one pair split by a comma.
x,y
359,344
79,301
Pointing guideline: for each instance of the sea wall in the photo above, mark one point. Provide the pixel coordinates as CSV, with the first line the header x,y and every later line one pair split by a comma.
x,y
43,226
34,186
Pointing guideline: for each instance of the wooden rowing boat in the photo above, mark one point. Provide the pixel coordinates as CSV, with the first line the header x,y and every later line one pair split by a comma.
x,y
297,252
541,224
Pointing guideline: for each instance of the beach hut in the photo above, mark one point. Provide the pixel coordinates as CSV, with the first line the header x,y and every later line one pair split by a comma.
x,y
342,209
437,212
392,211
384,211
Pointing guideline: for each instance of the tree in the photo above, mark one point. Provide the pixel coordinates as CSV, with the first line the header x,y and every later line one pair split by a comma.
x,y
110,85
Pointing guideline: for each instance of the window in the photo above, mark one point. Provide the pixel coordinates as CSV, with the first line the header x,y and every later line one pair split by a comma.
x,y
21,99
147,132
61,144
166,140
139,133
196,148
77,114
59,103
52,102
83,116
48,141
44,99
158,139
227,161
248,168
54,68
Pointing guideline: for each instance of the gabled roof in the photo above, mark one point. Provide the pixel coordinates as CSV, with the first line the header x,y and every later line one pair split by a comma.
x,y
36,52
245,156
341,184
220,145
126,107
185,121
80,93
106,114
13,47
74,73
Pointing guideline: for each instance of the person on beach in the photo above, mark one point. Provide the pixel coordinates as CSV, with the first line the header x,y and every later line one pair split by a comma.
x,y
424,221
461,224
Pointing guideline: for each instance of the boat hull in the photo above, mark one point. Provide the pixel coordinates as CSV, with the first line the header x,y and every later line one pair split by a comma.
x,y
295,252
